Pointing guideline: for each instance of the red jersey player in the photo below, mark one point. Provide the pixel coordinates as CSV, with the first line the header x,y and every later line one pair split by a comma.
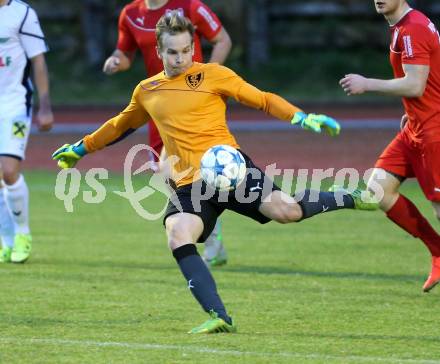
x,y
137,24
415,151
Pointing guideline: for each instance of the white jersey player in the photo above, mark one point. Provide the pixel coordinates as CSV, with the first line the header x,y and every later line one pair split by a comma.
x,y
22,48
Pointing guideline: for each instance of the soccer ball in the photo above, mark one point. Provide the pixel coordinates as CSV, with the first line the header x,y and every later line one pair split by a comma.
x,y
223,167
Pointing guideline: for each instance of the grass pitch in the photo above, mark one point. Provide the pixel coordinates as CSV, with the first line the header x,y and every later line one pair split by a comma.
x,y
102,287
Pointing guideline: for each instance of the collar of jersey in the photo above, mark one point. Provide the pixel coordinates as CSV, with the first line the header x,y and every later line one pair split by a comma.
x,y
161,79
188,71
401,18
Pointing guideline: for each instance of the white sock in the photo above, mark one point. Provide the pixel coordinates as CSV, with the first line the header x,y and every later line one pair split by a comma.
x,y
17,198
213,245
6,223
212,238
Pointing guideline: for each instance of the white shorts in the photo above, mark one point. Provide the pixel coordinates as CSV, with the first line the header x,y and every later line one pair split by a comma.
x,y
14,134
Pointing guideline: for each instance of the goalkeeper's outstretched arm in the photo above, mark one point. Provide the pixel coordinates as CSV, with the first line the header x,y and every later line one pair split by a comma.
x,y
283,110
114,130
234,86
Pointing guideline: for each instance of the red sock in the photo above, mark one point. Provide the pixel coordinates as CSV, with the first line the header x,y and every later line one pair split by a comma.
x,y
405,214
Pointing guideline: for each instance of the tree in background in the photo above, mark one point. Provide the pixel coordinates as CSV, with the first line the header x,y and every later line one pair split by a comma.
x,y
95,17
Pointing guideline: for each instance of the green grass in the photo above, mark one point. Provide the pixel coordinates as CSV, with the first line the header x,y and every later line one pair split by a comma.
x,y
102,287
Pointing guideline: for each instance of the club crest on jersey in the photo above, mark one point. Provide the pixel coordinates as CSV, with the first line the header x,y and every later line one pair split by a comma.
x,y
194,80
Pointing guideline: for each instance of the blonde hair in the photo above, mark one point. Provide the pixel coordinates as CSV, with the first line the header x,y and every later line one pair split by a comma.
x,y
173,22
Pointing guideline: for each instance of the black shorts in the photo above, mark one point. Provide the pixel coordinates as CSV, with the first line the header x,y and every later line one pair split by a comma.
x,y
199,199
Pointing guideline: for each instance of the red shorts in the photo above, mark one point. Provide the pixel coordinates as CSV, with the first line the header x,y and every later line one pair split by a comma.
x,y
407,158
155,141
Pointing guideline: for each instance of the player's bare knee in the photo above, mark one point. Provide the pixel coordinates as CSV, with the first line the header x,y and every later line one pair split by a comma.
x,y
174,244
389,196
287,213
176,233
176,241
295,212
388,200
10,176
385,186
177,238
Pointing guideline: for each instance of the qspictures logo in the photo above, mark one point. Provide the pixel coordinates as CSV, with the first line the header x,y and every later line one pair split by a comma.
x,y
68,185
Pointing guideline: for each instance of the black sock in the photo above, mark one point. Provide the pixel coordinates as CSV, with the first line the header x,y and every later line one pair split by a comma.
x,y
200,280
316,202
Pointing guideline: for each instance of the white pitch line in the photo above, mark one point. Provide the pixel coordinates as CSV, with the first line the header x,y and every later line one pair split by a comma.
x,y
206,350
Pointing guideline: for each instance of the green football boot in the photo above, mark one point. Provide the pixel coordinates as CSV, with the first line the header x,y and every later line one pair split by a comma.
x,y
219,257
363,199
22,248
5,255
218,261
214,325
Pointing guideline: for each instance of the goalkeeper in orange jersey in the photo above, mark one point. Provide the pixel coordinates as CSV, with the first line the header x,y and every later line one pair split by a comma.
x,y
188,103
136,21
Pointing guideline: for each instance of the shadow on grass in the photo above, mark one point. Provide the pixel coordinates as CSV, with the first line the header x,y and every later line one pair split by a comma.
x,y
116,266
338,275
91,323
105,263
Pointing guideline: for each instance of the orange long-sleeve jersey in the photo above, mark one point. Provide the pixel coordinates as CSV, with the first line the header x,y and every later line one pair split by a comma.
x,y
189,111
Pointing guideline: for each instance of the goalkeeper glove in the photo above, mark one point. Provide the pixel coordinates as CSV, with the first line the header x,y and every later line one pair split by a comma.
x,y
316,123
69,154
